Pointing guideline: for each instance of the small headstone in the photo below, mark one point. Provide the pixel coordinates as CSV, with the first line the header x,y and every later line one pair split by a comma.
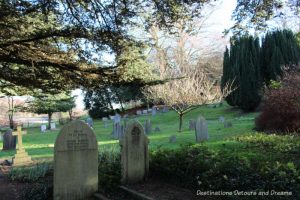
x,y
138,112
134,154
75,162
149,110
90,122
43,128
153,112
125,116
201,130
192,124
221,119
9,141
53,126
148,126
227,124
165,109
172,139
117,130
157,129
105,120
145,112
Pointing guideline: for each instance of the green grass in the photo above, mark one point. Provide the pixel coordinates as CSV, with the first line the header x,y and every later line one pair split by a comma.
x,y
40,146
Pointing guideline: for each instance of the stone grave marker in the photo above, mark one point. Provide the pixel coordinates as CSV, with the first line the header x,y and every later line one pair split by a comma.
x,y
75,162
138,112
21,157
221,119
52,126
117,130
157,129
165,109
172,139
153,112
192,124
9,140
43,128
111,117
134,154
201,130
105,120
227,124
148,126
1,137
117,118
90,122
145,112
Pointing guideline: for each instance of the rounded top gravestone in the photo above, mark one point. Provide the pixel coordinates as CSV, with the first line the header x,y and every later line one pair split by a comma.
x,y
134,156
75,162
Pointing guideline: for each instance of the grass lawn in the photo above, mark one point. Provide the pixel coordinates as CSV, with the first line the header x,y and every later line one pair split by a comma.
x,y
40,146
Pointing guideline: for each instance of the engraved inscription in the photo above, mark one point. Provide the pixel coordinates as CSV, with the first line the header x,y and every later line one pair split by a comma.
x,y
77,141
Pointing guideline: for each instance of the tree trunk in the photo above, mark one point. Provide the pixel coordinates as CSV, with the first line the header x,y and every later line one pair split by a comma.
x,y
71,114
49,120
180,121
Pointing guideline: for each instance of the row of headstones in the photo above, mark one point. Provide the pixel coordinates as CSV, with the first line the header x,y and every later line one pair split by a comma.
x,y
153,111
77,144
119,128
44,127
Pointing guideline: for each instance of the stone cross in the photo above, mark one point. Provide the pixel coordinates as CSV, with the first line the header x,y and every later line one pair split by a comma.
x,y
134,154
21,157
75,162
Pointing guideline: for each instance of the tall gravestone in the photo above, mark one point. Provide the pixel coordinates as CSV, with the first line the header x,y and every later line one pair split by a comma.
x,y
75,162
192,124
153,112
134,154
148,126
201,130
9,141
118,130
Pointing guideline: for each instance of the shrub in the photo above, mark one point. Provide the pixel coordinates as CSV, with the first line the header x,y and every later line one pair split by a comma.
x,y
281,109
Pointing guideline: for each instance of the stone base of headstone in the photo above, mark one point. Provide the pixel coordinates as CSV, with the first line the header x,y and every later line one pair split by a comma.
x,y
22,158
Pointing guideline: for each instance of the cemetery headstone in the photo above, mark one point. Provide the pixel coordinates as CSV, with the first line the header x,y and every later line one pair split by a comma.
x,y
117,130
1,137
105,120
9,141
201,130
227,124
145,112
117,118
221,119
157,129
153,112
21,157
53,126
43,128
75,162
148,126
138,112
192,124
90,122
111,117
125,116
172,139
134,154
165,109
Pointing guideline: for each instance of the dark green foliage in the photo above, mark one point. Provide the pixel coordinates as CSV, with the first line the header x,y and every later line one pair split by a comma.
x,y
109,171
279,49
37,191
197,167
241,68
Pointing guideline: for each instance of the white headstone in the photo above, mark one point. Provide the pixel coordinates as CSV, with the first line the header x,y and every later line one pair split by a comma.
x,y
117,118
43,128
145,112
52,126
138,112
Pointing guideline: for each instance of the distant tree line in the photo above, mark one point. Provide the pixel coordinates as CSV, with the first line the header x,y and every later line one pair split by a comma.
x,y
252,66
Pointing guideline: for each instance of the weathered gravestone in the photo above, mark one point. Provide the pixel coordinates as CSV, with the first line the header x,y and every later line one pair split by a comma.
x,y
153,112
1,137
21,157
148,126
145,112
192,124
75,162
105,120
90,122
201,130
172,139
157,129
138,112
221,119
165,109
117,118
52,126
9,141
227,124
43,128
118,130
134,154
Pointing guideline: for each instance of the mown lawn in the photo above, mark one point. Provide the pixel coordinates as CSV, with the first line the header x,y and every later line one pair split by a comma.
x,y
40,146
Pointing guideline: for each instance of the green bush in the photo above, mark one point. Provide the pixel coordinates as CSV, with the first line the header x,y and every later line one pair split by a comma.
x,y
37,191
109,171
29,174
198,168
